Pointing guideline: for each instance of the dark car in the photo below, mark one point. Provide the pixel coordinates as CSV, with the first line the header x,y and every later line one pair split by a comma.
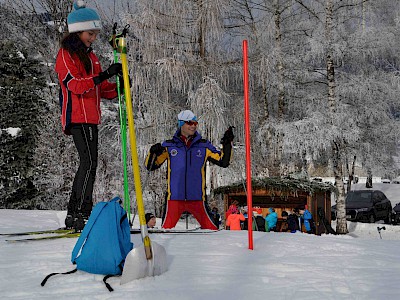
x,y
366,205
396,214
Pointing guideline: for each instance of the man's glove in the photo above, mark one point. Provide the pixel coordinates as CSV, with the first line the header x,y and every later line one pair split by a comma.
x,y
157,149
112,70
228,136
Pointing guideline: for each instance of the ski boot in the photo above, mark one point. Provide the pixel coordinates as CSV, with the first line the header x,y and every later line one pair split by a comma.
x,y
69,221
80,222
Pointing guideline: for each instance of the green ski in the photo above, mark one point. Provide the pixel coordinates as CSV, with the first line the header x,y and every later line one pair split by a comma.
x,y
44,238
58,231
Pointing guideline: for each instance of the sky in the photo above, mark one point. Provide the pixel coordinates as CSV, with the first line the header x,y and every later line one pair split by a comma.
x,y
219,265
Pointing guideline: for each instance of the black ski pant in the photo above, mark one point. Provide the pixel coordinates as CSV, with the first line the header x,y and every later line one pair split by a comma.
x,y
85,137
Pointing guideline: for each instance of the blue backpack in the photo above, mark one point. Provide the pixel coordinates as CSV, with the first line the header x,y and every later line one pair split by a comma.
x,y
104,243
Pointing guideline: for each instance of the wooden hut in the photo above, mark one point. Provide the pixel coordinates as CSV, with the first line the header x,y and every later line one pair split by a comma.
x,y
284,194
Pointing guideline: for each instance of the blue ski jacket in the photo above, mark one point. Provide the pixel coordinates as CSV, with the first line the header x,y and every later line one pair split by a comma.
x,y
186,171
271,218
307,216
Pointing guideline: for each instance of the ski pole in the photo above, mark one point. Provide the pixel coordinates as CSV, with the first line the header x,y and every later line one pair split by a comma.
x,y
379,230
122,117
122,49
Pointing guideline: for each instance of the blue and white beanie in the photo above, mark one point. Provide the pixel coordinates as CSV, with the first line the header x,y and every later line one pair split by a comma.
x,y
83,18
185,115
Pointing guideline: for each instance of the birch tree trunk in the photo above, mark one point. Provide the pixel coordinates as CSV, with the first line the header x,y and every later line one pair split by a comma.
x,y
330,68
341,226
281,85
280,68
351,174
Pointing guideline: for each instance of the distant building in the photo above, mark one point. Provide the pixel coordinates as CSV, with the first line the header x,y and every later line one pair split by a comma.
x,y
283,194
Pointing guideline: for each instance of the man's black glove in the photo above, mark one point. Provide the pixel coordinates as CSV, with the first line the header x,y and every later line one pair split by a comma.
x,y
228,136
112,70
157,149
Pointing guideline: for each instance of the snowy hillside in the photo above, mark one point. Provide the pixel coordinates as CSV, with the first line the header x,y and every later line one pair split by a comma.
x,y
212,266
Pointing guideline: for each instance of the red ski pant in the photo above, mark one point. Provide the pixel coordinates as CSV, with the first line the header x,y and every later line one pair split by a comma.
x,y
197,208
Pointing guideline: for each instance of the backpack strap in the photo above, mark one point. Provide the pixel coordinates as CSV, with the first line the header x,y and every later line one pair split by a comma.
x,y
123,218
108,286
86,231
52,274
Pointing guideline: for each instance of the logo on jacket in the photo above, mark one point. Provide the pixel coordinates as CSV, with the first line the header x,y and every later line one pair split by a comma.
x,y
174,152
199,153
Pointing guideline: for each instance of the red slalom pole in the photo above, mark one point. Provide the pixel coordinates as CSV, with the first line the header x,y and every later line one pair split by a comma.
x,y
247,135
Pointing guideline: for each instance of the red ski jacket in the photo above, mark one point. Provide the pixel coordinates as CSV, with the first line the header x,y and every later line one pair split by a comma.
x,y
233,221
79,96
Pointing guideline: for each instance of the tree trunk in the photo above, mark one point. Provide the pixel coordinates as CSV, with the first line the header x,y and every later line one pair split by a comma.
x,y
341,225
202,45
363,9
281,86
265,97
330,67
278,40
351,175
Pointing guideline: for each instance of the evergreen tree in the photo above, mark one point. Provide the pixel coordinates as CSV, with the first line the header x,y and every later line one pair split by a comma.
x,y
21,107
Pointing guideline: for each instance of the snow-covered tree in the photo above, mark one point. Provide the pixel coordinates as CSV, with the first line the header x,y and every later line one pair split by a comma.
x,y
323,85
21,108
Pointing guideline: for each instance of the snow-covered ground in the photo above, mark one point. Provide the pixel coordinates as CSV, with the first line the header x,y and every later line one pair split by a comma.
x,y
212,266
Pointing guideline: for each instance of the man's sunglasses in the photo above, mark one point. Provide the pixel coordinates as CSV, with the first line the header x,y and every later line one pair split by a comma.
x,y
190,123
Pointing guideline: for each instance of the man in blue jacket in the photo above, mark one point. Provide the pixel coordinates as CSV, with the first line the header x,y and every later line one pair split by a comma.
x,y
187,154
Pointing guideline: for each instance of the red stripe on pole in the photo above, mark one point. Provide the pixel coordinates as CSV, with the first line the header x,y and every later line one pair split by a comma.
x,y
247,135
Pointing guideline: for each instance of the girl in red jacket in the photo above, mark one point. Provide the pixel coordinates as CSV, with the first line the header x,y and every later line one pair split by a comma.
x,y
82,85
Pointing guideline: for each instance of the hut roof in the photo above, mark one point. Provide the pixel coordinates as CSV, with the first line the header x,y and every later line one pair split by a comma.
x,y
282,184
